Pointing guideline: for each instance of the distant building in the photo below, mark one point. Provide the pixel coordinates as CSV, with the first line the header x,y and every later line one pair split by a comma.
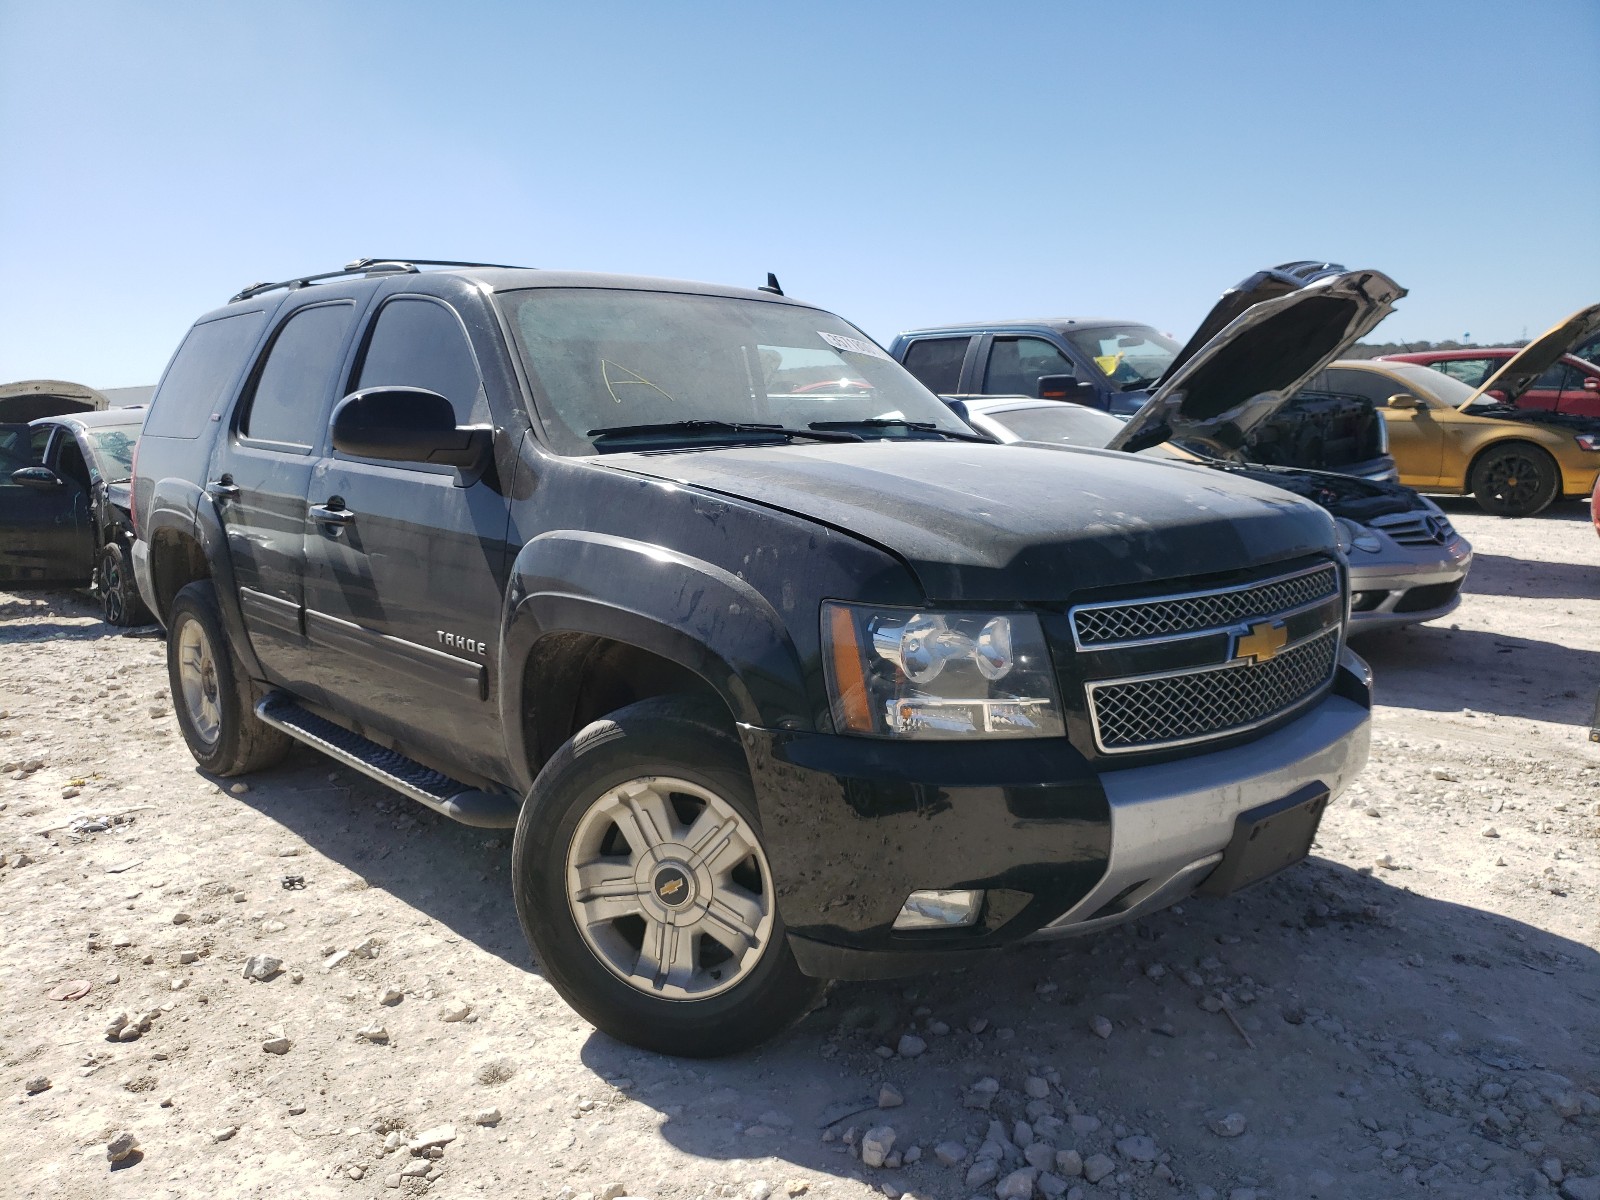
x,y
124,397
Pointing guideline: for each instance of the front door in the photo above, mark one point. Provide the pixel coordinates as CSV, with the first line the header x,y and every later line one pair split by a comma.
x,y
260,472
46,532
1416,441
404,582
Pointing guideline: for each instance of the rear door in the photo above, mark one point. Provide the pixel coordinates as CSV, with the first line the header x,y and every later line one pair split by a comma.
x,y
404,590
261,469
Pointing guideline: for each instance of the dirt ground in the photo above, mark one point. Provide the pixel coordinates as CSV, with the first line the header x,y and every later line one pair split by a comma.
x,y
1414,1010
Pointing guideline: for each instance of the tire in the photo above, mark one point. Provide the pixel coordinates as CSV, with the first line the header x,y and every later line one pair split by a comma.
x,y
214,702
1514,479
120,601
672,770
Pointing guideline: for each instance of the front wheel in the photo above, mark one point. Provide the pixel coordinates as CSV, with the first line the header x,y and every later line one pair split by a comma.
x,y
120,601
1515,479
642,883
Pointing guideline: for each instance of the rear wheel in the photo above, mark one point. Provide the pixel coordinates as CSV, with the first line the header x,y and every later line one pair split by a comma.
x,y
214,701
643,885
1515,479
120,601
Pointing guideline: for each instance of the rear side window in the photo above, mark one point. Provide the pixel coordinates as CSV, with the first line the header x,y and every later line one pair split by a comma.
x,y
294,383
936,362
419,343
1470,371
201,375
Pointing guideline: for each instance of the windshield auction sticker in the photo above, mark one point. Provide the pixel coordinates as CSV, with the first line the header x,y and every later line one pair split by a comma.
x,y
853,345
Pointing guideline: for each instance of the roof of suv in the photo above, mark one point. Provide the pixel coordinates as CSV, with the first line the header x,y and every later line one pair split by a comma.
x,y
500,279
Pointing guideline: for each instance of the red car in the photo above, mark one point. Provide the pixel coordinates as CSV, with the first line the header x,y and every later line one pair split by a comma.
x,y
1570,386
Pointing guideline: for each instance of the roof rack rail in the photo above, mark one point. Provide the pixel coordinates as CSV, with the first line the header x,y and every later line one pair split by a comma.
x,y
363,266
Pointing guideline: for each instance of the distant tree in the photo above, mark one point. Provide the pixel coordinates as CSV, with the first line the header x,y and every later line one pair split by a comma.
x,y
1375,350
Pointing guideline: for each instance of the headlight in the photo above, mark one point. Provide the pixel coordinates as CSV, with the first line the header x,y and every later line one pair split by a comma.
x,y
1351,534
1589,441
908,673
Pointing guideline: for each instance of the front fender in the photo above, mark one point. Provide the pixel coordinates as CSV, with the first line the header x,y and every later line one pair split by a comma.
x,y
689,611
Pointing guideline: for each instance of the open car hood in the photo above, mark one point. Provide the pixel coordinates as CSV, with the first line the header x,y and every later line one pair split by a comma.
x,y
1538,356
1260,344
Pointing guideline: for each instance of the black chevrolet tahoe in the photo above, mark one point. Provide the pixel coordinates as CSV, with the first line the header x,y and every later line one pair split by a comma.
x,y
780,671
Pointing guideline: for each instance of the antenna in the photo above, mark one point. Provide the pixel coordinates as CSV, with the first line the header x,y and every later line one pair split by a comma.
x,y
772,285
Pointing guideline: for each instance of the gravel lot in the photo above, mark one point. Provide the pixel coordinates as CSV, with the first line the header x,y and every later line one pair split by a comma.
x,y
1416,1010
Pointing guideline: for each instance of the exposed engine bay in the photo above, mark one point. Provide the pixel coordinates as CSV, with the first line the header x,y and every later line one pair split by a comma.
x,y
1358,500
1319,431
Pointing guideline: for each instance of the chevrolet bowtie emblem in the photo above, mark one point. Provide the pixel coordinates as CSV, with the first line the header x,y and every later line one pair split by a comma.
x,y
1261,642
669,890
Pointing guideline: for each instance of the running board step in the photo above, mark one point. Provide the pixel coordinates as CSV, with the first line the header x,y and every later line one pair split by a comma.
x,y
449,797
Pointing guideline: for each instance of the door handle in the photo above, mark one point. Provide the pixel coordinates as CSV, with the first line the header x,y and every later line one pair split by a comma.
x,y
223,488
332,516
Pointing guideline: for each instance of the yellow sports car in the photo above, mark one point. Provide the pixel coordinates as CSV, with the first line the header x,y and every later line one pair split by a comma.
x,y
1448,438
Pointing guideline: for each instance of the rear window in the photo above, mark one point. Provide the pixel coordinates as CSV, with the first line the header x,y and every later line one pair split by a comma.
x,y
936,362
201,375
1070,424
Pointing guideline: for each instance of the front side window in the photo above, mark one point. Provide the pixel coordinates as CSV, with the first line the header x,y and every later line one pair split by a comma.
x,y
419,343
608,359
1017,364
297,377
1130,356
936,362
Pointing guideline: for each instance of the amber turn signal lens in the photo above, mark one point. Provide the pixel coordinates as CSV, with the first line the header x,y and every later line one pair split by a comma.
x,y
849,677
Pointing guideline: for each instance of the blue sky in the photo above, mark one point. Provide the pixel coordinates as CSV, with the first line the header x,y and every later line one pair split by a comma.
x,y
903,164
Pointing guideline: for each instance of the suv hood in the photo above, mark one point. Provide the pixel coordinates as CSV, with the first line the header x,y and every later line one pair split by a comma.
x,y
1520,370
993,523
1261,342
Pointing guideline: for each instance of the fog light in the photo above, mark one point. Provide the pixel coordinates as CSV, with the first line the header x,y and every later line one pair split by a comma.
x,y
939,910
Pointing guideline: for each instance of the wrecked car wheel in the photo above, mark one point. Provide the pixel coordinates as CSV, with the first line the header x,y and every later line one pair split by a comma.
x,y
1515,479
214,702
120,602
643,886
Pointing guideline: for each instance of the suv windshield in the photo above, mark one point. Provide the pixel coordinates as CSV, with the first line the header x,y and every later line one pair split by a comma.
x,y
609,359
1130,356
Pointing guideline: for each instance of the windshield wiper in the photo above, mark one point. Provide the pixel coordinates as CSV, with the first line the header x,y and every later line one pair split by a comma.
x,y
900,423
697,427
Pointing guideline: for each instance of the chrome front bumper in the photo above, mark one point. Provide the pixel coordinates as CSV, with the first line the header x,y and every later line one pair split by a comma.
x,y
1171,822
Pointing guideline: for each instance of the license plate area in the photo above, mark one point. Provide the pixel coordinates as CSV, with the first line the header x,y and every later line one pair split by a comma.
x,y
1268,839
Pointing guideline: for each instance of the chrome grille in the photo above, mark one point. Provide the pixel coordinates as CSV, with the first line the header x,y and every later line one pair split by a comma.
x,y
1101,625
1416,528
1189,706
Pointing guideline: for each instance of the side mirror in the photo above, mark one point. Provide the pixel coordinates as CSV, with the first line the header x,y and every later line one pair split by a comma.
x,y
1063,387
40,479
406,424
1402,400
1591,384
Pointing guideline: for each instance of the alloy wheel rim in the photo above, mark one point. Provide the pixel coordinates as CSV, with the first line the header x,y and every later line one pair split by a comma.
x,y
1514,479
197,673
112,582
669,888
